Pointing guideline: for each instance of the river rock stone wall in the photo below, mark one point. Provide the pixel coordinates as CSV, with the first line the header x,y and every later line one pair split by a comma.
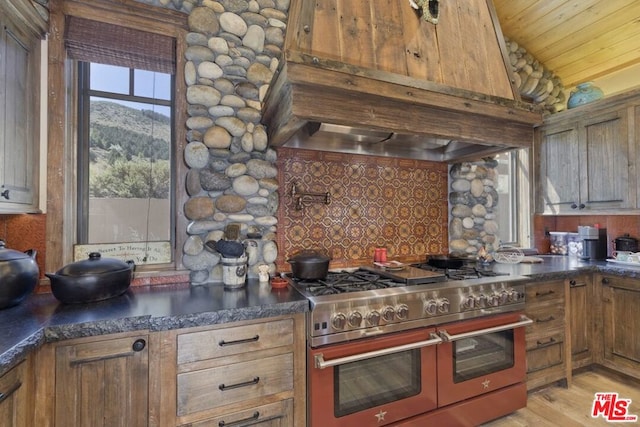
x,y
473,201
232,52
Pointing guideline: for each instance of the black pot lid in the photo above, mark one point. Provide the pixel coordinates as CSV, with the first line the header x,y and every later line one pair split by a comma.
x,y
626,238
10,254
95,264
310,256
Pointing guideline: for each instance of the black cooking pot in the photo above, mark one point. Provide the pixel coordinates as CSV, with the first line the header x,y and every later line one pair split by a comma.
x,y
310,265
18,275
90,280
626,243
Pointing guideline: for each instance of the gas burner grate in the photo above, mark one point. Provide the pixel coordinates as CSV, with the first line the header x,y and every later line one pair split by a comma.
x,y
464,273
346,281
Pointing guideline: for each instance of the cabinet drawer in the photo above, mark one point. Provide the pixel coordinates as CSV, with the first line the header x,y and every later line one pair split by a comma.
x,y
279,414
545,318
544,293
196,346
216,387
545,352
11,382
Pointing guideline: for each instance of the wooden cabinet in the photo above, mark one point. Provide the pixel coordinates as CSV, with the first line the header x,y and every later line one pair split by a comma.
x,y
581,320
545,338
95,381
621,323
584,165
585,158
249,372
16,396
19,112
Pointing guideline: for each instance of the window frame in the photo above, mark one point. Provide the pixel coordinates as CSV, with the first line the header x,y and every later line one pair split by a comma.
x,y
84,100
520,201
62,121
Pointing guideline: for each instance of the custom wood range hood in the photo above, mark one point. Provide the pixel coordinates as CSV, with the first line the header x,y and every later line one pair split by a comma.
x,y
375,77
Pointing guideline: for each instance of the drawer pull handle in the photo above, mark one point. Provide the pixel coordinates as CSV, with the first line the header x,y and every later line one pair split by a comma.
x,y
542,344
254,381
4,396
546,319
222,343
544,294
254,417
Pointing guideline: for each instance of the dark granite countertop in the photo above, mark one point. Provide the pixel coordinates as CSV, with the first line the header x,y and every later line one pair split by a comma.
x,y
42,318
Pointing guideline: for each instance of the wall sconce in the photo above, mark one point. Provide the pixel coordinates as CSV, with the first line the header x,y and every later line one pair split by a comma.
x,y
305,198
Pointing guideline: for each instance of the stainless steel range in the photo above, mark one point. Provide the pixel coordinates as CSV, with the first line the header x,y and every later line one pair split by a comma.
x,y
348,305
415,346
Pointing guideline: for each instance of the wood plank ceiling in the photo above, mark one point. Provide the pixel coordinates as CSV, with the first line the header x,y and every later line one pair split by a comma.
x,y
578,40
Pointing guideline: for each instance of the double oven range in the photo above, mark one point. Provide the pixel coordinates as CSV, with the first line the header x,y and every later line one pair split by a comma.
x,y
414,347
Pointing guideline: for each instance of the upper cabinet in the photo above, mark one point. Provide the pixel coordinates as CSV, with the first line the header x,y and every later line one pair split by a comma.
x,y
19,105
585,158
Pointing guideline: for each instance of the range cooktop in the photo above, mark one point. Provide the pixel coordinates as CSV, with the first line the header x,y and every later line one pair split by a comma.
x,y
349,305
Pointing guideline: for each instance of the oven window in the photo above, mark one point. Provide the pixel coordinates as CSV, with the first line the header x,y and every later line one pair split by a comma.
x,y
365,384
482,355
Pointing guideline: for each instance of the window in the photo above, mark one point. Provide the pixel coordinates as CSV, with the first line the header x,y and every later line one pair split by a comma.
x,y
125,163
513,213
125,115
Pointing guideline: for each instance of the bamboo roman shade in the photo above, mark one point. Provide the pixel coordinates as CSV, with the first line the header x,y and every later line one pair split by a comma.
x,y
94,41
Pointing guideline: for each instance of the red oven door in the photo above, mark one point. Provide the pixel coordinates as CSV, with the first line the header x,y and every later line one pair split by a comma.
x,y
373,381
480,356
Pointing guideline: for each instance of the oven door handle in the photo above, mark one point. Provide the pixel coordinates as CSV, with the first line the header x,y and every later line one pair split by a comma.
x,y
524,321
321,363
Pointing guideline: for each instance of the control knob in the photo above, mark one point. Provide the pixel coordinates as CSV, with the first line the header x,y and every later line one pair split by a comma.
x,y
481,301
431,307
494,300
338,321
514,296
469,302
443,305
388,314
504,297
373,318
355,319
402,311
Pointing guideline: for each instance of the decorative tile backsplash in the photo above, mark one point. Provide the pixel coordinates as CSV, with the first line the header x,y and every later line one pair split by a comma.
x,y
399,204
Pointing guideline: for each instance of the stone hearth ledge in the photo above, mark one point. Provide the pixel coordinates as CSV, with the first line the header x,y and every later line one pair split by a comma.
x,y
42,319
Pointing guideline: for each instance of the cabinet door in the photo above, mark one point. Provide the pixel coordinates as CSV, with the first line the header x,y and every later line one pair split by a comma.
x,y
15,399
580,300
605,159
102,383
621,322
559,182
18,98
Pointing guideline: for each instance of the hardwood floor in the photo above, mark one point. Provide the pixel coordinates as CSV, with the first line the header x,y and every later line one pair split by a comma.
x,y
571,407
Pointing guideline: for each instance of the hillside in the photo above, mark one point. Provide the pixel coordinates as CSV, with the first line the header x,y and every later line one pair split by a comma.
x,y
127,161
128,131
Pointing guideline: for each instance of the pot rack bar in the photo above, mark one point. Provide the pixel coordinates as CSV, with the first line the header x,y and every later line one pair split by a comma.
x,y
301,199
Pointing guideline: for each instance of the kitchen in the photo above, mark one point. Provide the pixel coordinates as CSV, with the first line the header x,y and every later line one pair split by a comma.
x,y
434,232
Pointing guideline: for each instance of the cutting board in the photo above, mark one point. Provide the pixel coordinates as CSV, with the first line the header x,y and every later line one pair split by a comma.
x,y
531,260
